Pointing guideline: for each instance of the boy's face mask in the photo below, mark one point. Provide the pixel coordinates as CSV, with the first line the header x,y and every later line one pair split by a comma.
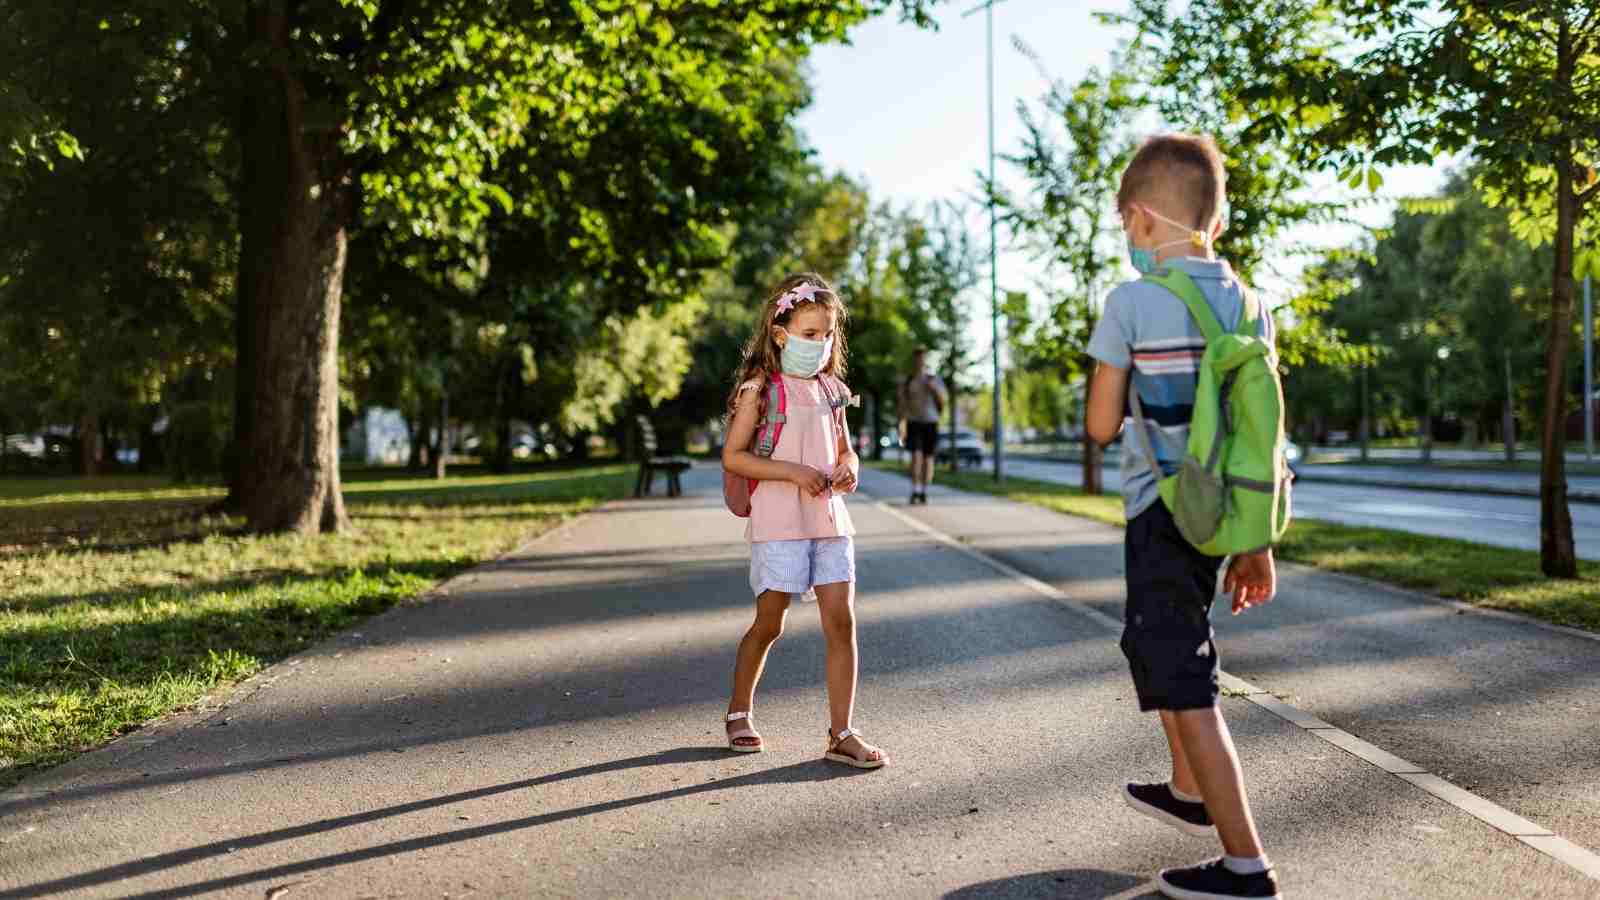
x,y
803,358
1144,258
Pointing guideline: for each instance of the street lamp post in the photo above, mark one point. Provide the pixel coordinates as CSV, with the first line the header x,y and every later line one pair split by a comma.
x,y
994,252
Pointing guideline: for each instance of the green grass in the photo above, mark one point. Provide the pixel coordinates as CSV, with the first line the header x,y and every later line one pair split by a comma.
x,y
121,601
1483,575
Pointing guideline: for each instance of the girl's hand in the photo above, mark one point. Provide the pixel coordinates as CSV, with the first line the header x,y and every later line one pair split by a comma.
x,y
808,479
845,474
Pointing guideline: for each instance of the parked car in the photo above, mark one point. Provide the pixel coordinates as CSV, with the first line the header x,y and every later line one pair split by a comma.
x,y
1292,454
968,448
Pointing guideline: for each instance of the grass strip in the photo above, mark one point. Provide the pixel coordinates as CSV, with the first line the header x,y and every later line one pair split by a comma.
x,y
1480,574
152,606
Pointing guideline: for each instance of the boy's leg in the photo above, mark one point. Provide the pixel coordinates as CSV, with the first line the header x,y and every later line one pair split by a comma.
x,y
1183,779
1207,749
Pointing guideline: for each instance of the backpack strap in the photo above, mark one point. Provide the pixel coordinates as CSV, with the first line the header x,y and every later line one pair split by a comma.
x,y
775,412
836,393
1144,433
1180,284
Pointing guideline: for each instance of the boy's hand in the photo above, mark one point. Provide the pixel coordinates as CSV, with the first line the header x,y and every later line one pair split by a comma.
x,y
845,473
808,479
1252,579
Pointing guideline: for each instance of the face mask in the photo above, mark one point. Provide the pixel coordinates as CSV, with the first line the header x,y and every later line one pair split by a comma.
x,y
1144,259
803,358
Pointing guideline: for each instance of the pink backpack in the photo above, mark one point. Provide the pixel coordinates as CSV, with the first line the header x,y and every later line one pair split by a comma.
x,y
736,489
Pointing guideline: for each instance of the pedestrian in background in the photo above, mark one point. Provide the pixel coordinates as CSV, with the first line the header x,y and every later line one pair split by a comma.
x,y
922,397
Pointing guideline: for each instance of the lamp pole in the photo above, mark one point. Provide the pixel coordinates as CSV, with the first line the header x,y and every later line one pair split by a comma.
x,y
994,251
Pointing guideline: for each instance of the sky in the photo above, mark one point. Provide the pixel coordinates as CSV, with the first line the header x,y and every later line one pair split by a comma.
x,y
905,110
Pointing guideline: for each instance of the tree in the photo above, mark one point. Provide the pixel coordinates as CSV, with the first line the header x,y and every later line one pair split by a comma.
x,y
1352,85
1067,221
401,116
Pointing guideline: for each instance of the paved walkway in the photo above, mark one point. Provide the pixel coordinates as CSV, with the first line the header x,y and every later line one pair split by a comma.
x,y
550,726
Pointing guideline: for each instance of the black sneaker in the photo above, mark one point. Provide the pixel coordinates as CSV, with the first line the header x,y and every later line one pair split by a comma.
x,y
1215,881
1157,802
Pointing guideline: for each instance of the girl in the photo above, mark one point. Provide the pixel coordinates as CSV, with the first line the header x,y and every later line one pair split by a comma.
x,y
799,532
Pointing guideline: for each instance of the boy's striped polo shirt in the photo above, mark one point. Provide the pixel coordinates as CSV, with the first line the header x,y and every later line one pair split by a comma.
x,y
1147,328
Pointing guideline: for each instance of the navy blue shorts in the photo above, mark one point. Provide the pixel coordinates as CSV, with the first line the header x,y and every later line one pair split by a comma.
x,y
1166,633
922,437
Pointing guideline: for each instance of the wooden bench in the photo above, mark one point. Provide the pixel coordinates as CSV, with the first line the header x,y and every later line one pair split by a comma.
x,y
650,463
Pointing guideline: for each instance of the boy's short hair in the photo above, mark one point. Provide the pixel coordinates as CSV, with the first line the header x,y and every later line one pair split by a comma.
x,y
1185,167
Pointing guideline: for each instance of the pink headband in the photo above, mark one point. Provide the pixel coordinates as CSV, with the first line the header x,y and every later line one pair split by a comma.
x,y
805,293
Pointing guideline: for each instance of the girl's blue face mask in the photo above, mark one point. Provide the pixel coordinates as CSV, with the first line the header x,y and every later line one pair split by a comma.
x,y
803,358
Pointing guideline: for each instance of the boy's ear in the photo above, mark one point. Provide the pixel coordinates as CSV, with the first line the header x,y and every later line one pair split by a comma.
x,y
1143,225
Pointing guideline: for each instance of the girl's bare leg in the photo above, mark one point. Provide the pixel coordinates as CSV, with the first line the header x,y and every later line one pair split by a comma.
x,y
772,607
836,603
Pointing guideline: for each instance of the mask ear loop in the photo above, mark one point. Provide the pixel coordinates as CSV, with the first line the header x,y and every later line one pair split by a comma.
x,y
1197,239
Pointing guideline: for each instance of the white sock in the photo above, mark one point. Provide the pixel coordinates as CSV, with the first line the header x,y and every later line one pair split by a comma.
x,y
1180,795
1246,865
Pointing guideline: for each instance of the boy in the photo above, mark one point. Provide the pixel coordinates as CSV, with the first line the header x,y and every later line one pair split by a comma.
x,y
1171,200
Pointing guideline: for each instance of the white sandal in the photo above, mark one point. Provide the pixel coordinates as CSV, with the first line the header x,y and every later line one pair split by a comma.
x,y
833,754
742,733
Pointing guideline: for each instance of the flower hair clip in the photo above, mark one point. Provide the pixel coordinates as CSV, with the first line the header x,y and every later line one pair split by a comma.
x,y
805,293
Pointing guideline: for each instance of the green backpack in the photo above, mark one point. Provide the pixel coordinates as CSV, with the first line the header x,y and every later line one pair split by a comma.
x,y
1231,492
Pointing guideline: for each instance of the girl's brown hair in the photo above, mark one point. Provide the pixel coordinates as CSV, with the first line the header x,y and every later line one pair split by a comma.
x,y
762,356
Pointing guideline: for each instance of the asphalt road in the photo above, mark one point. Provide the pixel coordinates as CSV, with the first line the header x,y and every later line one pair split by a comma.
x,y
550,725
1486,518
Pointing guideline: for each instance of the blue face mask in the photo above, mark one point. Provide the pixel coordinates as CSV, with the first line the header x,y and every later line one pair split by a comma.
x,y
803,358
1144,259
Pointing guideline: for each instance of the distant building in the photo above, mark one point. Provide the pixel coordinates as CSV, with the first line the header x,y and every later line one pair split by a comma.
x,y
378,436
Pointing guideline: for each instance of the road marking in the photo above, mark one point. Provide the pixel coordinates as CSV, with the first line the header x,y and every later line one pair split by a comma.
x,y
1580,859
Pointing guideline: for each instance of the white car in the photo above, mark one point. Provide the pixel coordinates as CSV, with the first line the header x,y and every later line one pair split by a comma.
x,y
968,448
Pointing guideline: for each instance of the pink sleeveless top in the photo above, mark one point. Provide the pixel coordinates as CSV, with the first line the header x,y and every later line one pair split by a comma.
x,y
779,510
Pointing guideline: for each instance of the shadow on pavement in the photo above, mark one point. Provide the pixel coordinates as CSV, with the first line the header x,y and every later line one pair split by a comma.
x,y
1080,884
810,771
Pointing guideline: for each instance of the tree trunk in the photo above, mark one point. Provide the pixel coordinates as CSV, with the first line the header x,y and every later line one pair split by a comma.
x,y
413,442
297,184
502,417
1508,417
1556,554
1426,420
877,424
442,450
90,447
1366,415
